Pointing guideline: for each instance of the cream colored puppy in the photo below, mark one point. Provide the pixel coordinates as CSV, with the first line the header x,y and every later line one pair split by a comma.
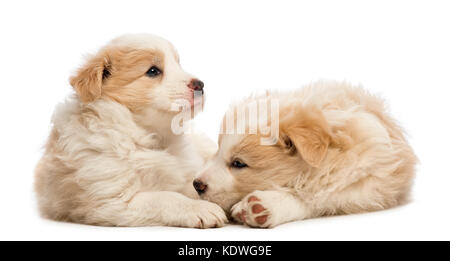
x,y
112,158
337,151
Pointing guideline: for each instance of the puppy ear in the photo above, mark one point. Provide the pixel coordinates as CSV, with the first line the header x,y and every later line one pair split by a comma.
x,y
307,132
88,80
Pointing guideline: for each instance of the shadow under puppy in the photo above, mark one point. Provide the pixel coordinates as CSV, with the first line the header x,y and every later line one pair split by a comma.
x,y
112,158
337,151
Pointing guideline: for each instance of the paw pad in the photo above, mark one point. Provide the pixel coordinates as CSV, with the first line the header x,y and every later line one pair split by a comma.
x,y
252,198
258,208
261,219
252,212
241,215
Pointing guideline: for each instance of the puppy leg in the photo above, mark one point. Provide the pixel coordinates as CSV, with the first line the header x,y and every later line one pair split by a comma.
x,y
267,209
170,209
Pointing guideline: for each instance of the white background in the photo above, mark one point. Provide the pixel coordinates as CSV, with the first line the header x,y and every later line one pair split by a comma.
x,y
398,49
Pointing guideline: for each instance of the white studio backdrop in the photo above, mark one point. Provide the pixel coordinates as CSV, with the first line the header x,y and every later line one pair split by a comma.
x,y
397,49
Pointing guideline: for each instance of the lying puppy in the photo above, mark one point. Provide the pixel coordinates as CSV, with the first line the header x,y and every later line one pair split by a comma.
x,y
337,152
111,158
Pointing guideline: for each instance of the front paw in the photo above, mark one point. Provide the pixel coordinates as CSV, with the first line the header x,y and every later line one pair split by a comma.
x,y
254,211
204,214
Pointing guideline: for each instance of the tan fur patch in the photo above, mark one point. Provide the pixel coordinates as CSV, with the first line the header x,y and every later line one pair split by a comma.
x,y
309,132
268,166
125,83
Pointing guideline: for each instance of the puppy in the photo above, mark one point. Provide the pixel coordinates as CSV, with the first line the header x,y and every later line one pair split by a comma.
x,y
337,152
111,158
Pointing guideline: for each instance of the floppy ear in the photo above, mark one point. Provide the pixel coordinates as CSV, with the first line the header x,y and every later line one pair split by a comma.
x,y
88,80
307,132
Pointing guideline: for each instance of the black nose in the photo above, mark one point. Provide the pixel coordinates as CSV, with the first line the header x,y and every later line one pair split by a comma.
x,y
199,186
196,85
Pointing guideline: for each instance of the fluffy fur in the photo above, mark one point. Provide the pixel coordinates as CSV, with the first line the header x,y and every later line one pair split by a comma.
x,y
338,152
111,158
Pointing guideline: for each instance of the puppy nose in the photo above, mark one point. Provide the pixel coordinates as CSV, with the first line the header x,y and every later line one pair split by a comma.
x,y
196,85
199,186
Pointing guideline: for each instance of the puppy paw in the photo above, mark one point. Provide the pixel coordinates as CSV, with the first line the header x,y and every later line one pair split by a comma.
x,y
204,214
253,211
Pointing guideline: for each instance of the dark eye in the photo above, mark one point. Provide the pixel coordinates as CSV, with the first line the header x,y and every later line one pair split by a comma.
x,y
153,71
238,164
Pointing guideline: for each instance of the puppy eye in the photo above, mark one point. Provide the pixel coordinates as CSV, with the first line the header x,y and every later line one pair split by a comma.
x,y
153,71
238,164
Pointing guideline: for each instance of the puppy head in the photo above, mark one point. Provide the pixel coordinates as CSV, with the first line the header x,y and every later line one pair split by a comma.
x,y
139,71
243,165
